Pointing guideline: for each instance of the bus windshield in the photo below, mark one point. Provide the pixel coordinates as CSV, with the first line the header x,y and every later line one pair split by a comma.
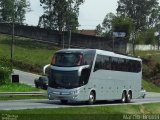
x,y
68,79
64,79
67,59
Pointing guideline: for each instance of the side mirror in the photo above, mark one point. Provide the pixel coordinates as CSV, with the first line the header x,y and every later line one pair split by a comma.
x,y
81,68
46,69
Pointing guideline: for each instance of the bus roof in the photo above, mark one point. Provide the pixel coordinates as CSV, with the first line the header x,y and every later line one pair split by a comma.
x,y
113,54
75,50
101,52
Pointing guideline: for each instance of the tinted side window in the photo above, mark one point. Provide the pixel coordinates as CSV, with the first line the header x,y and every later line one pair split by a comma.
x,y
117,64
137,66
98,63
107,62
133,66
88,58
102,62
114,64
121,64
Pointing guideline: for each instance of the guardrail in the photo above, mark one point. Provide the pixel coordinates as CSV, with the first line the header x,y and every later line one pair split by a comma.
x,y
23,94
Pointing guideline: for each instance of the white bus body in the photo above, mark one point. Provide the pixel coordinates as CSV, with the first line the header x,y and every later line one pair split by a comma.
x,y
99,75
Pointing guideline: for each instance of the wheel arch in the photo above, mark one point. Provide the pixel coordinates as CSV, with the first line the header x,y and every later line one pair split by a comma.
x,y
124,91
130,92
94,91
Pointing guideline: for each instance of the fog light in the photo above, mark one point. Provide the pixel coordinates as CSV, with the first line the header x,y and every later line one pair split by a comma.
x,y
49,96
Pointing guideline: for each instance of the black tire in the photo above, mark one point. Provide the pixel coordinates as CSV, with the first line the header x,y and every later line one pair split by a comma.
x,y
45,87
36,85
64,101
143,96
123,99
129,97
91,99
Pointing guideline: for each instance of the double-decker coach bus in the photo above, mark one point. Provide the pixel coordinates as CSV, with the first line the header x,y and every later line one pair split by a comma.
x,y
92,74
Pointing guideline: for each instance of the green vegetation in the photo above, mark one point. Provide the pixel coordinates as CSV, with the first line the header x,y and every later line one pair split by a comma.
x,y
63,15
27,50
155,55
86,113
13,87
18,7
151,67
28,55
4,74
5,71
150,87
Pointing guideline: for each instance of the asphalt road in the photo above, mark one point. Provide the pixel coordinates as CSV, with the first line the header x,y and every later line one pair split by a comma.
x,y
45,103
25,77
28,78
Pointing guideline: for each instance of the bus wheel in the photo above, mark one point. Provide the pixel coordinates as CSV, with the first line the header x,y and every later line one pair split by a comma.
x,y
129,97
64,101
91,98
36,85
123,99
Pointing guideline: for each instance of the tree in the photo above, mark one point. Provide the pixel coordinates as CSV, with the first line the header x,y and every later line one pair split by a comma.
x,y
21,7
140,11
145,15
107,22
60,14
154,18
99,30
147,37
122,24
13,9
6,10
107,25
113,23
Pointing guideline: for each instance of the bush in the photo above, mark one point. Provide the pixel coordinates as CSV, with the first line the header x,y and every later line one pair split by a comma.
x,y
4,62
146,71
4,75
28,67
5,70
148,67
151,70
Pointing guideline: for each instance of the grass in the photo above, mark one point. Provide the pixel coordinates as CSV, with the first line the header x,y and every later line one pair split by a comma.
x,y
150,87
87,113
27,50
153,53
13,87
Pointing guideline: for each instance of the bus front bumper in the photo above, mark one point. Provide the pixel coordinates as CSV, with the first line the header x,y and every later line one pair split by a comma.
x,y
60,94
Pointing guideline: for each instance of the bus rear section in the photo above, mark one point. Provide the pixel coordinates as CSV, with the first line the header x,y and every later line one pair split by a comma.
x,y
116,76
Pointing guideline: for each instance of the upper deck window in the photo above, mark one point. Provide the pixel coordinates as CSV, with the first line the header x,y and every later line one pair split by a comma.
x,y
67,59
